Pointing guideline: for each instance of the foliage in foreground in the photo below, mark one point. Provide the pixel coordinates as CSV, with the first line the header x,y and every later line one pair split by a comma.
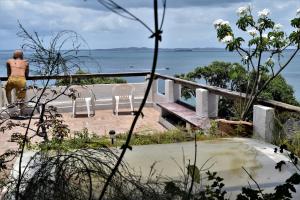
x,y
79,174
128,184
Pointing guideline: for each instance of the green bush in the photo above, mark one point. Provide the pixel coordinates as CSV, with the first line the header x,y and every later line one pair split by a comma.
x,y
84,139
233,76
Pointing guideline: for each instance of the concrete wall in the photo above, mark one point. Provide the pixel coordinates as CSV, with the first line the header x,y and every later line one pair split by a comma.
x,y
102,93
206,102
172,92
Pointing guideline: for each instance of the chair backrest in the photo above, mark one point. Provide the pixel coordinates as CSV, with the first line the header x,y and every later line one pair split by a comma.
x,y
3,97
123,90
82,91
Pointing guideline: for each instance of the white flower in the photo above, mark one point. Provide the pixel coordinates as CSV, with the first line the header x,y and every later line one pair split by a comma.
x,y
252,32
298,12
277,27
264,35
220,22
242,11
264,13
227,39
272,38
225,23
245,57
217,23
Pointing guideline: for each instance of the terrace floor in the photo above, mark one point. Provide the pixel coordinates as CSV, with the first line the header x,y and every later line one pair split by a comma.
x,y
104,121
100,124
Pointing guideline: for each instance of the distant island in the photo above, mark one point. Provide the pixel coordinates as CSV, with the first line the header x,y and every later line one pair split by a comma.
x,y
162,49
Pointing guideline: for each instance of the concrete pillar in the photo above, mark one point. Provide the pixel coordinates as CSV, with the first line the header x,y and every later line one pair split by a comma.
x,y
201,102
213,104
263,122
153,91
150,96
177,92
169,91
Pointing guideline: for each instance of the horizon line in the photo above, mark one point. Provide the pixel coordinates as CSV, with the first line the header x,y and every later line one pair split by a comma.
x,y
135,48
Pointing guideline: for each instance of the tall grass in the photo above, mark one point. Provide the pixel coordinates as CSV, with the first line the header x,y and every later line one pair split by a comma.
x,y
84,139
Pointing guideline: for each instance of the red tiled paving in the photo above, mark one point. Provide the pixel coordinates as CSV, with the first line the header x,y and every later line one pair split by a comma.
x,y
100,124
104,121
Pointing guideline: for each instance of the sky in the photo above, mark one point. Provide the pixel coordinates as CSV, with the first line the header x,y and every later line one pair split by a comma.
x,y
188,23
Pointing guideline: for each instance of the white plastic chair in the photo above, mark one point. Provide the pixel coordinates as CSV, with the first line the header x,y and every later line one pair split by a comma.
x,y
122,92
86,96
3,99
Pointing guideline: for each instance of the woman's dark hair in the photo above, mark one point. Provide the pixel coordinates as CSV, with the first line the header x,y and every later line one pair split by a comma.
x,y
18,54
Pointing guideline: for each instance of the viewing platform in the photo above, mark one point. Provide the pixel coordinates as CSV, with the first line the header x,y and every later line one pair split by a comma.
x,y
163,109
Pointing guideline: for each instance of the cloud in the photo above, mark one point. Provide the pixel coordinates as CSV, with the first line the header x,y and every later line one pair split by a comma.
x,y
94,4
188,23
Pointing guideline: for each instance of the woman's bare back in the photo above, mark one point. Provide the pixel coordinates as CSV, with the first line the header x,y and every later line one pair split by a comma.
x,y
17,67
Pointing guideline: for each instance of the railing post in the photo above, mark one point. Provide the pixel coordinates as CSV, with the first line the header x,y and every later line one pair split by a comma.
x,y
213,105
202,102
169,90
177,91
151,94
172,91
153,91
263,122
206,103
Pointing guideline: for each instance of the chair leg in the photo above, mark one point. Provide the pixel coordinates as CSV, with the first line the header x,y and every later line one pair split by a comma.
x,y
88,102
74,109
131,104
113,104
93,107
117,105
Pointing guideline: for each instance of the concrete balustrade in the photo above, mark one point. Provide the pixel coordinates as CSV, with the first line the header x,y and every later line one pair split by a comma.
x,y
102,92
213,105
263,122
177,92
202,102
172,92
207,107
169,91
206,103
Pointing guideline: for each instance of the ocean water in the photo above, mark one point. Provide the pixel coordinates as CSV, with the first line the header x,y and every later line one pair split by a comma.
x,y
170,62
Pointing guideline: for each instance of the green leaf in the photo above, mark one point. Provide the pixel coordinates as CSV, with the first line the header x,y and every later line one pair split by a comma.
x,y
295,22
171,188
292,188
192,169
294,179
